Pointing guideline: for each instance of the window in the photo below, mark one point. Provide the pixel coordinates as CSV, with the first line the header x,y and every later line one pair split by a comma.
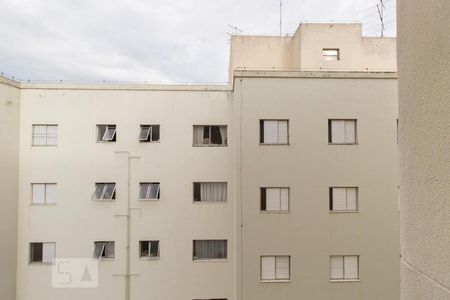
x,y
275,267
342,131
274,199
149,133
343,199
210,191
42,252
43,193
274,132
344,267
45,135
149,190
104,191
331,54
210,135
106,133
103,250
149,249
210,249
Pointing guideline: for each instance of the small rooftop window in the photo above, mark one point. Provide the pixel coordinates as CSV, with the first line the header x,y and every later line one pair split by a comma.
x,y
330,54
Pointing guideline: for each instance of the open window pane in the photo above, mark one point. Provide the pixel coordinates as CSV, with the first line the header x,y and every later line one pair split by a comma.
x,y
99,248
145,133
109,134
104,191
149,191
106,133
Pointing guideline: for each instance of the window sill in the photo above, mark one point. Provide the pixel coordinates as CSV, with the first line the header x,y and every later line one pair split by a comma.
x,y
343,144
274,212
104,259
101,200
36,263
44,145
343,211
209,202
209,145
345,280
148,258
149,200
275,281
43,204
149,142
106,142
210,260
274,144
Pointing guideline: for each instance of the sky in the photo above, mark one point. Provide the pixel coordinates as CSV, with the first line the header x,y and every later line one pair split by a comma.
x,y
158,41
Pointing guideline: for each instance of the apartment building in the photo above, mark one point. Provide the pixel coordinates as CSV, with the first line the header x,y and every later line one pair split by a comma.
x,y
279,185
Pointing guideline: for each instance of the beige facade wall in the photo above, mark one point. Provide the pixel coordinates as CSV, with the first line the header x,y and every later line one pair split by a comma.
x,y
304,50
9,174
78,161
310,233
424,97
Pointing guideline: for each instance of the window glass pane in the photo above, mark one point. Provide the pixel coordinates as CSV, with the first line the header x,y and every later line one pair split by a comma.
x,y
110,189
267,267
339,198
144,248
210,249
282,267
109,250
50,193
350,132
38,193
99,187
206,139
338,131
99,248
154,248
213,191
352,199
39,134
153,191
52,135
272,199
351,267
282,132
270,132
216,136
109,133
155,133
36,252
101,129
144,134
284,202
336,267
143,190
48,252
198,135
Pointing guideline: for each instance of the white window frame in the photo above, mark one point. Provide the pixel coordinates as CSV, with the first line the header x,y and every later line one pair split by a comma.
x,y
280,210
46,201
105,187
149,248
330,130
331,54
103,245
141,186
42,261
104,138
343,278
47,138
149,135
274,279
224,139
347,210
261,134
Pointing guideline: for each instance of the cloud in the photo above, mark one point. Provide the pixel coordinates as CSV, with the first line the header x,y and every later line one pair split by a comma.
x,y
137,40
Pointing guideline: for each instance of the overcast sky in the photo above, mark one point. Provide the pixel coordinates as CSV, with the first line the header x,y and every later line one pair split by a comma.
x,y
154,40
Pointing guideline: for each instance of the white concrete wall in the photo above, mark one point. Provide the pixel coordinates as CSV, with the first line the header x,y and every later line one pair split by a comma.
x,y
309,233
79,161
424,97
9,173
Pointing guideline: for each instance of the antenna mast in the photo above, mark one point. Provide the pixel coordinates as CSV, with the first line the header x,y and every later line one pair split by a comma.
x,y
381,8
281,14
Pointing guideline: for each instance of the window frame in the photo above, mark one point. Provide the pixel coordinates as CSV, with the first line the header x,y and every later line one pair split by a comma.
x,y
104,248
41,262
105,187
275,279
149,257
326,56
208,202
194,259
343,269
330,136
209,145
45,193
330,200
261,133
261,198
101,139
149,138
149,183
46,135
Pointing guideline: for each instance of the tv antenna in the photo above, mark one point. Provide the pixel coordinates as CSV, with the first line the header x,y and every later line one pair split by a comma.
x,y
381,8
234,30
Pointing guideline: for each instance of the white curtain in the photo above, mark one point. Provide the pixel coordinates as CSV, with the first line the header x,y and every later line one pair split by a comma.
x,y
210,249
198,135
272,199
351,267
282,132
350,131
48,252
267,267
223,133
352,202
284,199
282,267
339,199
50,193
213,191
336,267
338,131
270,132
